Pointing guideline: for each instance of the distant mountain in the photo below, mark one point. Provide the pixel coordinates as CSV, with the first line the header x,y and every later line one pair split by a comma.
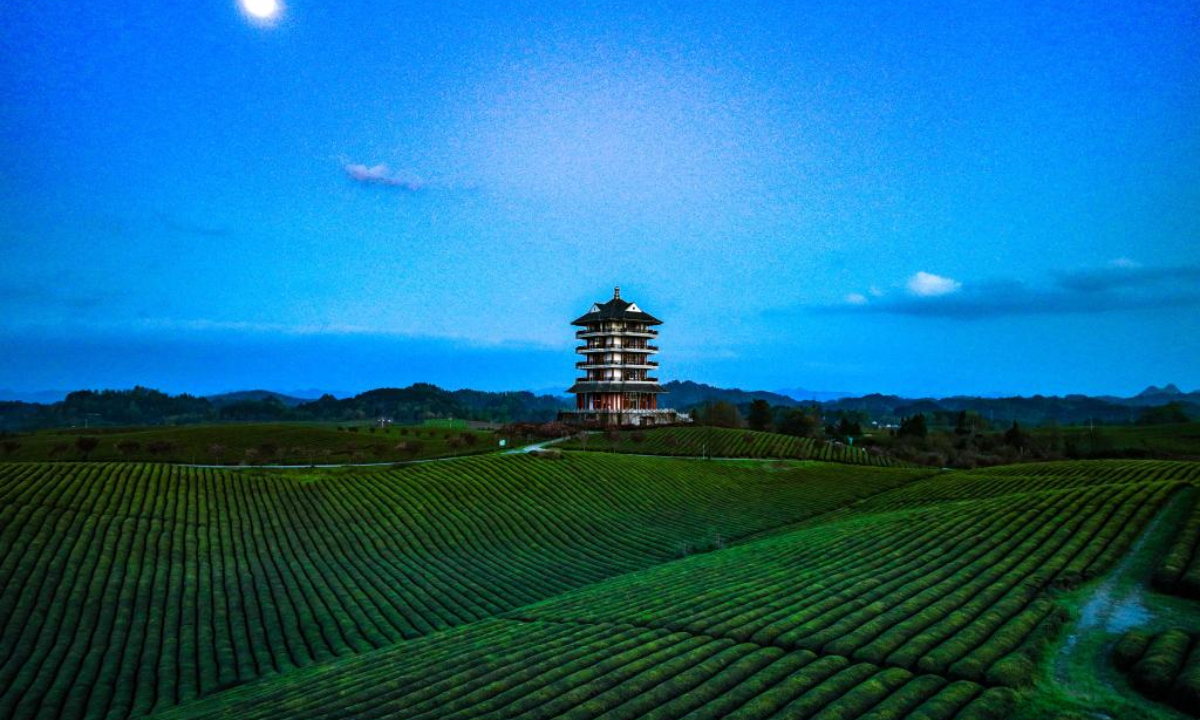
x,y
239,396
806,395
685,394
144,406
1171,390
1155,395
32,396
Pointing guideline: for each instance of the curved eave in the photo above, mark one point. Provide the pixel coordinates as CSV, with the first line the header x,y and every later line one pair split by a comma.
x,y
630,386
642,317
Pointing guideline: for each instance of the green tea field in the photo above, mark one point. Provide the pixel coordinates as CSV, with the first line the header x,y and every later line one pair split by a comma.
x,y
725,442
247,444
586,585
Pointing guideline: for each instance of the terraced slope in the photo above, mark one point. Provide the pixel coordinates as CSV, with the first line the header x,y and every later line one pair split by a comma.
x,y
250,443
1179,571
891,609
726,442
130,588
1164,666
508,669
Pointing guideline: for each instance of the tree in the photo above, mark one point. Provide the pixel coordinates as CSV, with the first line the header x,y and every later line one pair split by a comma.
x,y
128,447
719,414
847,428
913,426
11,446
759,417
86,444
1015,437
799,422
1168,414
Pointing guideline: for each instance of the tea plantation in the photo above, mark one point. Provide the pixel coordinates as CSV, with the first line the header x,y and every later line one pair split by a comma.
x,y
725,442
583,586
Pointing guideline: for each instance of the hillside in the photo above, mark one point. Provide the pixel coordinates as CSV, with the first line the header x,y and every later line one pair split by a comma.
x,y
128,588
251,443
939,599
725,442
145,406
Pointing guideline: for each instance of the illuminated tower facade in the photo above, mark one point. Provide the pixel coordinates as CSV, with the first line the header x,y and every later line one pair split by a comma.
x,y
618,387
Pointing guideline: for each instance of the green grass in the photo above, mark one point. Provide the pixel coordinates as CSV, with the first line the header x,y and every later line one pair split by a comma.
x,y
128,588
725,442
276,443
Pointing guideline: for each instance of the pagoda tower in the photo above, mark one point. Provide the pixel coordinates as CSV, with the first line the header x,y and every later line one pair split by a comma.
x,y
618,388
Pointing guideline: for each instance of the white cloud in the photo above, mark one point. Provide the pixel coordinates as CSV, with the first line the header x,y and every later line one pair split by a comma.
x,y
875,291
1124,262
382,175
856,299
925,284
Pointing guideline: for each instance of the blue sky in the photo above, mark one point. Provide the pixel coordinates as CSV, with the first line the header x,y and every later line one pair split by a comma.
x,y
920,198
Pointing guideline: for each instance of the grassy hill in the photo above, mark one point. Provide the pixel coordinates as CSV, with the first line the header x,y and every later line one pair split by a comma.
x,y
588,585
935,600
128,588
726,442
232,444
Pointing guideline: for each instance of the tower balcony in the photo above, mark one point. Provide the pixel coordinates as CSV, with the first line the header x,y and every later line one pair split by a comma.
x,y
595,333
631,350
610,380
589,365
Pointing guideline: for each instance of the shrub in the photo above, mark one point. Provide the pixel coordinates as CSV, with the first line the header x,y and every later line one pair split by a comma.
x,y
158,447
1186,693
10,446
1154,674
1130,648
86,444
128,447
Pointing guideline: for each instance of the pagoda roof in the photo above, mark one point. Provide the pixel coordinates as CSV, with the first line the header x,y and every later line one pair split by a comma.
x,y
616,309
616,386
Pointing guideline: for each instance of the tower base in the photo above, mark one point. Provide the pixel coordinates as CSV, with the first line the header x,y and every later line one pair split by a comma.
x,y
622,418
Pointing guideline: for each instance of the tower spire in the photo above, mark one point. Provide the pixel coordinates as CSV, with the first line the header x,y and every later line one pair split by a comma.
x,y
617,292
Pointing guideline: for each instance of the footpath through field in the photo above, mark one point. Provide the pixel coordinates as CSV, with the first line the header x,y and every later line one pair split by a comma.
x,y
1122,600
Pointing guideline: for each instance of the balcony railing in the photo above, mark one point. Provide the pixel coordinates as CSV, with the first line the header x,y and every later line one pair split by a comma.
x,y
590,365
589,332
610,380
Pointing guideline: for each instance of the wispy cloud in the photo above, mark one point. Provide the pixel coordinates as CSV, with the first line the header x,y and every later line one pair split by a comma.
x,y
381,174
1121,285
924,284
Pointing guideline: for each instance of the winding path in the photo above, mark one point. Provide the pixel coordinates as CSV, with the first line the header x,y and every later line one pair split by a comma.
x,y
1120,602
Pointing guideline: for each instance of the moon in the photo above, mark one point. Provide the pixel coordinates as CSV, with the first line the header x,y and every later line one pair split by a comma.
x,y
262,10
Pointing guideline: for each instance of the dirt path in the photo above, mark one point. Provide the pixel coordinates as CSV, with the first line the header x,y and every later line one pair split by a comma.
x,y
1120,602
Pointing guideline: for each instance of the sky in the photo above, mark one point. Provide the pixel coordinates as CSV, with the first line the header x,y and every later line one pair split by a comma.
x,y
925,198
